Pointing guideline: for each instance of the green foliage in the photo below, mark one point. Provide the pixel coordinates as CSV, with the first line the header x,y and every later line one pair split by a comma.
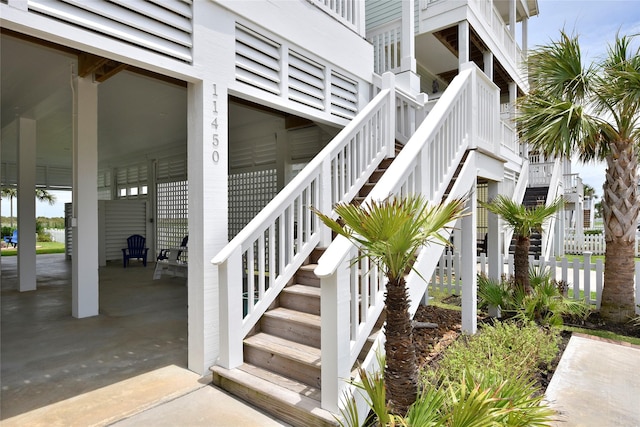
x,y
7,231
507,350
545,304
518,217
482,380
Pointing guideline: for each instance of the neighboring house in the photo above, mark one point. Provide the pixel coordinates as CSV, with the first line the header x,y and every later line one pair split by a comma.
x,y
172,117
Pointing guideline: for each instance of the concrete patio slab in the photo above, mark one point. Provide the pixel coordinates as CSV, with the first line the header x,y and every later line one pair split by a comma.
x,y
596,383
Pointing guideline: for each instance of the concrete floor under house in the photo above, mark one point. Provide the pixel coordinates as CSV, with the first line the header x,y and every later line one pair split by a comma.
x,y
48,356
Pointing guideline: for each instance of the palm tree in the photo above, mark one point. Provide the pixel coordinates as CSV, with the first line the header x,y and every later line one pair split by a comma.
x,y
45,196
10,193
42,195
594,111
390,233
523,221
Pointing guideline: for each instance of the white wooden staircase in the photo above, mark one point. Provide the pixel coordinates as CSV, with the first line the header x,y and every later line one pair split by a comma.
x,y
312,305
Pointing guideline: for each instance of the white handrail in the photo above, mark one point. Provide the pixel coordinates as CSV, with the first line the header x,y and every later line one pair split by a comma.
x,y
352,296
264,256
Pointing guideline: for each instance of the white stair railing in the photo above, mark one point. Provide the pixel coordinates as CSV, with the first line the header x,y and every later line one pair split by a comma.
x,y
256,265
352,295
556,189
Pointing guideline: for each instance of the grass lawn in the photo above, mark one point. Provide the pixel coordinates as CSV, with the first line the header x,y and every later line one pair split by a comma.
x,y
41,248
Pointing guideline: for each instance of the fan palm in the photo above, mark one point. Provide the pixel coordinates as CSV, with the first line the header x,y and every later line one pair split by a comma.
x,y
523,221
390,233
593,111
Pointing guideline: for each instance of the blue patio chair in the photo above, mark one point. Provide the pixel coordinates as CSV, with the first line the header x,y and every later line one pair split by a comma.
x,y
135,249
12,240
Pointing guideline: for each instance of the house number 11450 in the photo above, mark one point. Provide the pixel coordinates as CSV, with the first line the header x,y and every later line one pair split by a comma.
x,y
215,139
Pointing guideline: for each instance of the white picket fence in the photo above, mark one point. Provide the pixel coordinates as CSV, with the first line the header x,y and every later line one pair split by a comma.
x,y
587,276
577,244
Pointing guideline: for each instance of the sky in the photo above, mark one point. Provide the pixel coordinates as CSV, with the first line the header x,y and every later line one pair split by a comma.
x,y
596,23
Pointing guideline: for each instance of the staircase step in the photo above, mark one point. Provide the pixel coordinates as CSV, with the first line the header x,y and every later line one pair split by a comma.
x,y
306,276
287,400
293,325
298,361
301,298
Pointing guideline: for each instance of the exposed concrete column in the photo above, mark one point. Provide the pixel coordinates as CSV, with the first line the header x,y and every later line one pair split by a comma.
x,y
488,64
468,265
463,43
84,300
494,235
26,204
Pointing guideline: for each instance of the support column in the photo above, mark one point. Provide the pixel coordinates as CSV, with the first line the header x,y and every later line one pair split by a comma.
x,y
468,265
84,283
513,95
26,204
407,78
488,64
494,236
208,163
463,43
524,44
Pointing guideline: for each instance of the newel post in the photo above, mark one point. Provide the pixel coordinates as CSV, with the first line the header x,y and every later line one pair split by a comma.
x,y
388,82
335,338
472,105
231,311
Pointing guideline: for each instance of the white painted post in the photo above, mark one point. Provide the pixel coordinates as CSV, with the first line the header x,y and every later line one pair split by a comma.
x,y
85,280
637,264
463,43
335,334
494,236
576,279
325,200
388,82
600,279
586,270
26,202
469,266
565,269
231,310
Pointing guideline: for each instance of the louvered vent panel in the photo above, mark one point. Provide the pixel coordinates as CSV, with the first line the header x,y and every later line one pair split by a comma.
x,y
122,219
344,96
306,81
252,152
163,26
305,143
59,177
172,169
257,60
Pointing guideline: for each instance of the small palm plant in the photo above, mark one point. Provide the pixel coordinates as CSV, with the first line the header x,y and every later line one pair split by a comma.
x,y
390,233
524,221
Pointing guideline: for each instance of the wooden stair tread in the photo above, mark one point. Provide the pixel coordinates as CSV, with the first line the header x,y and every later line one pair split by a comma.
x,y
294,316
282,381
285,404
286,348
308,267
310,291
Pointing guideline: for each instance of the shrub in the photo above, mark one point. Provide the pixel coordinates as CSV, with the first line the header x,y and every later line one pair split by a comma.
x,y
506,350
545,304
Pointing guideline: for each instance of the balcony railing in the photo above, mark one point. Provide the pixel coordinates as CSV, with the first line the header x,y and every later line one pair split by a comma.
x,y
349,12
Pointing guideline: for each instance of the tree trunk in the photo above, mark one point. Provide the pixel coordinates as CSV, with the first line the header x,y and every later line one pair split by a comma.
x,y
620,208
400,373
521,262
